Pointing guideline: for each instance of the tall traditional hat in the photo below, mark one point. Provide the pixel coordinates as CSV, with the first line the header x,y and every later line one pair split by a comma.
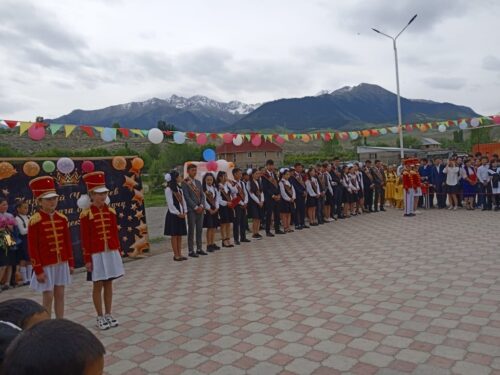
x,y
43,187
411,162
96,182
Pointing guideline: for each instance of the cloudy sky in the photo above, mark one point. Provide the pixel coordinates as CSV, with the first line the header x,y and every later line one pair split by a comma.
x,y
56,56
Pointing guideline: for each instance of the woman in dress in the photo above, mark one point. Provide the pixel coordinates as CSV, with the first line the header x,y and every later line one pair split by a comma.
x,y
469,184
175,221
287,201
452,186
255,202
390,185
226,211
347,193
313,193
211,218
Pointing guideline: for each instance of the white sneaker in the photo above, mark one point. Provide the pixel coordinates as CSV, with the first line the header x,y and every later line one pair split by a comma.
x,y
417,212
111,321
102,323
450,208
455,208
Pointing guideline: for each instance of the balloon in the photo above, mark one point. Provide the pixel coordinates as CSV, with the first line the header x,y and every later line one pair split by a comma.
x,y
227,137
256,140
280,140
496,119
354,135
31,169
222,164
306,138
201,139
394,129
383,131
6,170
108,134
474,122
88,166
48,166
230,165
463,125
65,165
36,132
209,155
155,136
442,128
179,137
119,163
238,140
137,163
212,166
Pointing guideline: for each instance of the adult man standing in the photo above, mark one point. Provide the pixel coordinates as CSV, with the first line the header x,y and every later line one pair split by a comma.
x,y
369,185
485,189
195,201
438,179
272,197
240,211
298,183
379,181
425,172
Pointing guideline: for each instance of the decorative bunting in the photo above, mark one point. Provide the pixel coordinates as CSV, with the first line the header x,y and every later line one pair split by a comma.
x,y
11,124
68,129
54,128
24,126
137,132
87,130
125,132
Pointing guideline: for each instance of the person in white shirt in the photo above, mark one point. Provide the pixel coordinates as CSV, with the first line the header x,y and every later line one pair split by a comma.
x,y
494,172
23,258
226,210
287,202
256,201
313,194
211,217
240,211
484,185
175,221
452,172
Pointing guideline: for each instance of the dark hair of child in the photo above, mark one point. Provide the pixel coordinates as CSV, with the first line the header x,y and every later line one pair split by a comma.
x,y
18,311
54,347
172,184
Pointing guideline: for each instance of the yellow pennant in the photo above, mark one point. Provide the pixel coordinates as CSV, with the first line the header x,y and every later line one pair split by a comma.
x,y
138,132
68,129
23,126
99,128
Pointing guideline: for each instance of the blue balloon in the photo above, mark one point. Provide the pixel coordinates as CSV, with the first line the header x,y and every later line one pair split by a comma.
x,y
108,134
209,154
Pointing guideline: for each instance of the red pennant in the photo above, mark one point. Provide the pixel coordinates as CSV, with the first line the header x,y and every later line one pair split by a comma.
x,y
374,132
88,130
328,137
125,132
11,123
191,135
409,128
291,136
213,135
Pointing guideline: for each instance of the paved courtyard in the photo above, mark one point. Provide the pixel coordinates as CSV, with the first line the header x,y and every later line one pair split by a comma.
x,y
376,294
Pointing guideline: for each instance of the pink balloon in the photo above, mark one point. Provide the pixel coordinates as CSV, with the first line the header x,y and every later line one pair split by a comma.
x,y
227,137
256,140
88,166
496,119
201,139
36,132
280,140
212,166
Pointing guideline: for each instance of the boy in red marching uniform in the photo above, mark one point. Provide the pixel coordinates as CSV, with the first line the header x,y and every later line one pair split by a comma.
x,y
409,189
49,245
100,247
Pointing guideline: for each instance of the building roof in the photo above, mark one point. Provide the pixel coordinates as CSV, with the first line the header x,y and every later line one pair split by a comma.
x,y
365,149
429,142
246,146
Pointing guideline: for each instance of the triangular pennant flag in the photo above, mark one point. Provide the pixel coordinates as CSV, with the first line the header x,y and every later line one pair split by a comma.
x,y
54,128
137,132
125,132
87,130
11,123
68,129
24,126
100,129
145,132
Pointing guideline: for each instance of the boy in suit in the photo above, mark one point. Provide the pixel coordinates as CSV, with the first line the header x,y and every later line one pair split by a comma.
x,y
195,200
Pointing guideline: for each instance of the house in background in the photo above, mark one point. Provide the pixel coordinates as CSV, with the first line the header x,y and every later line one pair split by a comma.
x,y
430,144
387,155
249,156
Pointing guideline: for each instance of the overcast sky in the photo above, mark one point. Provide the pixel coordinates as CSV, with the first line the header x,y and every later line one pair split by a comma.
x,y
56,56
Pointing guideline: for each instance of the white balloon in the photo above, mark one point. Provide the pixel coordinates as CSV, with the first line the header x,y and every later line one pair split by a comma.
x,y
179,137
83,202
108,134
222,164
155,136
463,125
474,122
442,128
238,140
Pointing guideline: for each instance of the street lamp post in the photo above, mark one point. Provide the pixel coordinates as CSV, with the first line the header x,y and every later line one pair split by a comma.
x,y
400,121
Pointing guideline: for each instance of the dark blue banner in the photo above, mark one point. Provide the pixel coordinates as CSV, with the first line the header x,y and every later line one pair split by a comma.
x,y
126,196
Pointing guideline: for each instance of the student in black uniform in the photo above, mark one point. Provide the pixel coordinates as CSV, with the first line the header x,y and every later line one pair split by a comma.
x,y
287,202
226,209
255,202
175,221
211,218
298,183
240,211
272,197
312,188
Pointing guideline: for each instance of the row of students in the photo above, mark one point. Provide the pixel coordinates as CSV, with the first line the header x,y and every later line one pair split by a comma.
x,y
48,242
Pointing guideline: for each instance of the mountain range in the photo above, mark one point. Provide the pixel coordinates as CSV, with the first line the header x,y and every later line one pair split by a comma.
x,y
363,105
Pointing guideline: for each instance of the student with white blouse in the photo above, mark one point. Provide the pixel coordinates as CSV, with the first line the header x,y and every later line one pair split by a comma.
x,y
452,172
175,221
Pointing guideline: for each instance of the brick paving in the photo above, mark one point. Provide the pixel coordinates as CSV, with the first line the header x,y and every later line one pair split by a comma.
x,y
376,294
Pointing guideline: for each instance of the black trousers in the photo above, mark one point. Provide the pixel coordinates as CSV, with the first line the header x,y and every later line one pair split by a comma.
x,y
240,223
337,201
369,199
300,211
319,209
272,207
441,195
379,197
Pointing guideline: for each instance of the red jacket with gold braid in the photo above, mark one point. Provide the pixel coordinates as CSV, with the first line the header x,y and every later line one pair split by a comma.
x,y
49,240
99,231
415,179
407,180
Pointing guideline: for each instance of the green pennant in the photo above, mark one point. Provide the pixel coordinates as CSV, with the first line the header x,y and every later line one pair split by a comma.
x,y
145,132
54,128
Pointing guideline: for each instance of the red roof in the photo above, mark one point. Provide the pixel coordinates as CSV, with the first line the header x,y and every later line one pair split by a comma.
x,y
230,148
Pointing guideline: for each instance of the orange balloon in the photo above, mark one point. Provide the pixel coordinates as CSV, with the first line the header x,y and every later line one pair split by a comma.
x,y
119,163
306,138
31,169
137,163
6,170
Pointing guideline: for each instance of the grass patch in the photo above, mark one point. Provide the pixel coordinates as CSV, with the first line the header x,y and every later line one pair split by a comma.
x,y
155,199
